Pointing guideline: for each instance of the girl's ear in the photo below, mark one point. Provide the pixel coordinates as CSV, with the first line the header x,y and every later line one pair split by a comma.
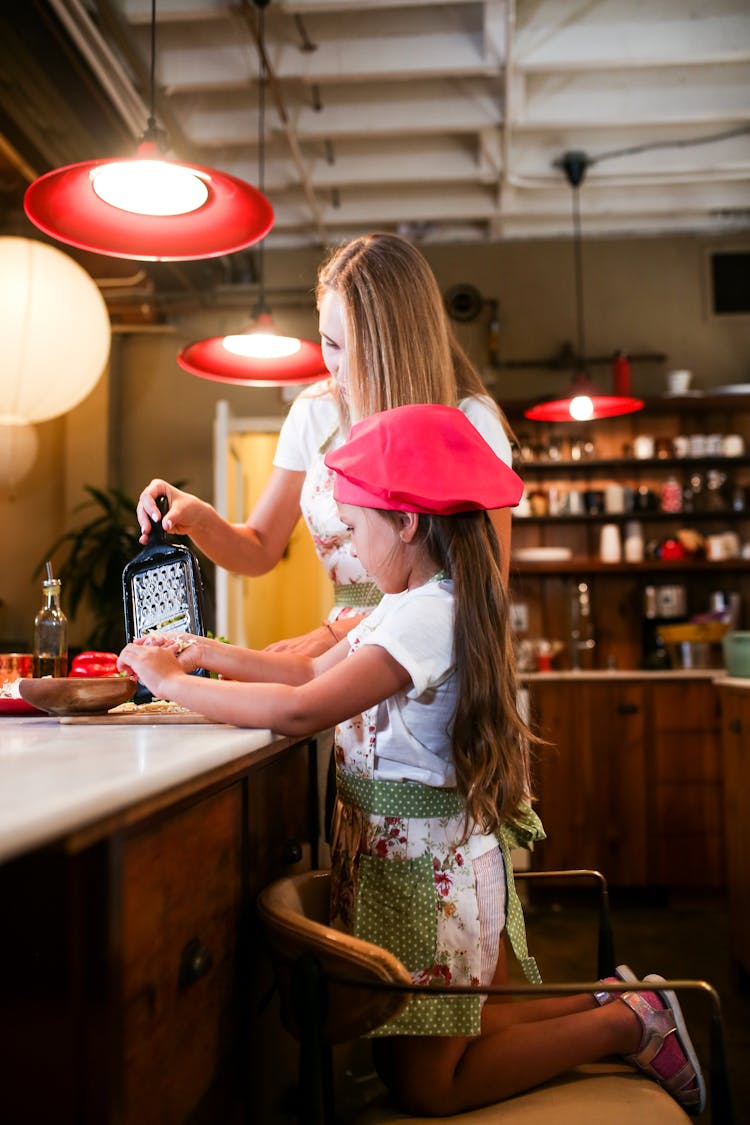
x,y
409,524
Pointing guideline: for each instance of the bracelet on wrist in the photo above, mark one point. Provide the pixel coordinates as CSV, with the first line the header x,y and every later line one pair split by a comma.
x,y
332,631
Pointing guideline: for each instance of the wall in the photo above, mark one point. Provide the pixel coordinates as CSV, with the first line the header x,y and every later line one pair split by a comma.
x,y
149,418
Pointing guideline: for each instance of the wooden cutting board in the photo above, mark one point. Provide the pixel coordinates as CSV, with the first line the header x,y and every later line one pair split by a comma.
x,y
136,718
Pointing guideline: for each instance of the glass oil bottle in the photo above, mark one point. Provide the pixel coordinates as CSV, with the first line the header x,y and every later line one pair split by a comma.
x,y
50,631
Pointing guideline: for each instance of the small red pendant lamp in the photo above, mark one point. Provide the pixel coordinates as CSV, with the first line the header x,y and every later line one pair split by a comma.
x,y
583,402
258,357
148,208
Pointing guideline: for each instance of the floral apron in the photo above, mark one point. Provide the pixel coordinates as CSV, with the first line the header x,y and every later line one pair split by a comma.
x,y
353,591
402,878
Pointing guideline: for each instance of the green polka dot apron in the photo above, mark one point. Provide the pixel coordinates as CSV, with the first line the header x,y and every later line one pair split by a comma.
x,y
403,878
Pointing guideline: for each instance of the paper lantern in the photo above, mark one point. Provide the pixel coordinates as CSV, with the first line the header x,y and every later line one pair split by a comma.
x,y
18,448
54,329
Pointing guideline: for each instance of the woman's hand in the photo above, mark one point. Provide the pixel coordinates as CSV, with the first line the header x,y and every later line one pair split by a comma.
x,y
181,515
309,644
155,665
320,640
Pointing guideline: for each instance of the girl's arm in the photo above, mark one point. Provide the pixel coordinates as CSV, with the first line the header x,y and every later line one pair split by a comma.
x,y
336,688
251,548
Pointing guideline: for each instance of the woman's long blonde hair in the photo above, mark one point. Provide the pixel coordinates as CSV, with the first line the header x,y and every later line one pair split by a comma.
x,y
400,346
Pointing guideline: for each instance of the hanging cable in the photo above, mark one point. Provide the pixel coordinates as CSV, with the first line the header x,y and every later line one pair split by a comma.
x,y
687,142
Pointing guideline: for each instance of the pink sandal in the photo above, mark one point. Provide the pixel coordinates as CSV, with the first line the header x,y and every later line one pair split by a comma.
x,y
666,1053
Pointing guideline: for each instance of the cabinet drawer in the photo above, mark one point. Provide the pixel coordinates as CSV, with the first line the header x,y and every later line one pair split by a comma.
x,y
688,706
181,895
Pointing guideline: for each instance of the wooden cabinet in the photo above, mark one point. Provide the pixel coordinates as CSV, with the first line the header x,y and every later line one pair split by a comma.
x,y
685,789
630,782
735,728
591,777
134,965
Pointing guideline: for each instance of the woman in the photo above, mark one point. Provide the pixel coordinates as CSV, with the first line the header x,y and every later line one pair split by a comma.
x,y
386,342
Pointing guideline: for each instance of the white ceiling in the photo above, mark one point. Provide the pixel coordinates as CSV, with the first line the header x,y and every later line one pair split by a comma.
x,y
442,119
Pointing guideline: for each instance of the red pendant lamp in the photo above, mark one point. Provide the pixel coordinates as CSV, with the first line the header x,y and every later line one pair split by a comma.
x,y
583,402
257,357
148,208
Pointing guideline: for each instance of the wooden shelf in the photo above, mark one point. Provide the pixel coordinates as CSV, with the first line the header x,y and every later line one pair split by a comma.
x,y
628,465
729,404
585,565
625,517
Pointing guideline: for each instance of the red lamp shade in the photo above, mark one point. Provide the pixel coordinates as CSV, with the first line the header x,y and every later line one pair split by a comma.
x,y
64,204
604,406
209,359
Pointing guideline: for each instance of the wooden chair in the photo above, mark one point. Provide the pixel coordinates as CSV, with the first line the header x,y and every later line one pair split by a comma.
x,y
335,988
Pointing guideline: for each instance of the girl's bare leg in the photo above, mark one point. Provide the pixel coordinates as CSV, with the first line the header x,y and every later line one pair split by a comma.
x,y
448,1075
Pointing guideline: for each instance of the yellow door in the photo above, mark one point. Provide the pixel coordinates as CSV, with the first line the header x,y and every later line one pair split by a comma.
x,y
296,595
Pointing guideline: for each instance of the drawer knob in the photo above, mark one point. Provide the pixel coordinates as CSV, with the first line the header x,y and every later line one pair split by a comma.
x,y
627,708
196,961
735,726
292,851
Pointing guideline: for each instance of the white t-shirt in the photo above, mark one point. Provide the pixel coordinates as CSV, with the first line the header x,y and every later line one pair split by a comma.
x,y
313,420
413,728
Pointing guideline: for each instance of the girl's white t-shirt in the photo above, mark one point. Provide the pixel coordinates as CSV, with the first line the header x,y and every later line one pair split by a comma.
x,y
413,739
413,728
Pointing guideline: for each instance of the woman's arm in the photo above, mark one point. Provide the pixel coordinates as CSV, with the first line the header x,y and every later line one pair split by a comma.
x,y
338,686
251,548
319,640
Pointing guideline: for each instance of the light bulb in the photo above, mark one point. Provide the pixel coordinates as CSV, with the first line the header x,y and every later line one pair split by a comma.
x,y
150,187
262,345
581,408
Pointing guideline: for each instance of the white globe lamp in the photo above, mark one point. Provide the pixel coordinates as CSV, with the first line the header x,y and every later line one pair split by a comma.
x,y
54,332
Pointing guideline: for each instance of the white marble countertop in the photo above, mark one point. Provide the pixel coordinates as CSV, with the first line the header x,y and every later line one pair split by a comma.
x,y
56,779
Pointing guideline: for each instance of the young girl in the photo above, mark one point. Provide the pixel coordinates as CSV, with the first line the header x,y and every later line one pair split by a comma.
x,y
432,770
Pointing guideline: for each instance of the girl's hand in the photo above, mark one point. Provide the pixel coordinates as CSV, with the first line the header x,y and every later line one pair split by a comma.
x,y
181,515
309,644
153,664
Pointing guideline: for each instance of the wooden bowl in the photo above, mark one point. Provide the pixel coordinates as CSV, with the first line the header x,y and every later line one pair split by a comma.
x,y
77,695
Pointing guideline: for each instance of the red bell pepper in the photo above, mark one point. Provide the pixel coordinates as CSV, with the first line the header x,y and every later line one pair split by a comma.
x,y
94,664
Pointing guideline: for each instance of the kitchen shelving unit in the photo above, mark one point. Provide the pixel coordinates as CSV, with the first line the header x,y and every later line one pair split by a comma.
x,y
617,588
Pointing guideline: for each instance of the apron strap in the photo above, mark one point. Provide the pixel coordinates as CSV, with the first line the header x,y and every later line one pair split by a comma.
x,y
514,921
360,594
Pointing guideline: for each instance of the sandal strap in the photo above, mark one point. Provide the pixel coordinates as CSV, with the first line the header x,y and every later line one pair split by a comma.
x,y
657,1023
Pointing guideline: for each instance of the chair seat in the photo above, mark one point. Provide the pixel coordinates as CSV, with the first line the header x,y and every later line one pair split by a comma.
x,y
598,1093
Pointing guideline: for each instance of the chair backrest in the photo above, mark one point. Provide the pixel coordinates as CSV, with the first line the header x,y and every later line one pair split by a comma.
x,y
295,912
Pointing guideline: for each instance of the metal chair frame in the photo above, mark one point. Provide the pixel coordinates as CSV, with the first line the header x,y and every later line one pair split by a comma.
x,y
308,995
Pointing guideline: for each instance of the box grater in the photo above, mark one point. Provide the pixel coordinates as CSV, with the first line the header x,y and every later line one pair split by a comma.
x,y
162,590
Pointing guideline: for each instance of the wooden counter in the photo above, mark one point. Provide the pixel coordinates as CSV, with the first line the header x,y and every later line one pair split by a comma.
x,y
631,781
133,968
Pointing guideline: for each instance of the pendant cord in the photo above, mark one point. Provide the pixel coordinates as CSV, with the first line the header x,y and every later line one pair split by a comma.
x,y
152,76
261,148
578,265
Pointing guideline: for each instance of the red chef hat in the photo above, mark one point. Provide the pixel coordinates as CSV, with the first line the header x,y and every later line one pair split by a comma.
x,y
427,459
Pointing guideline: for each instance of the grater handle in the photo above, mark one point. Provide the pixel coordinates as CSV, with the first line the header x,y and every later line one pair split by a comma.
x,y
158,534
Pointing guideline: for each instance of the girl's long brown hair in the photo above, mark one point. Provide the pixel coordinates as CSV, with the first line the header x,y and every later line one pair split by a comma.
x,y
490,740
